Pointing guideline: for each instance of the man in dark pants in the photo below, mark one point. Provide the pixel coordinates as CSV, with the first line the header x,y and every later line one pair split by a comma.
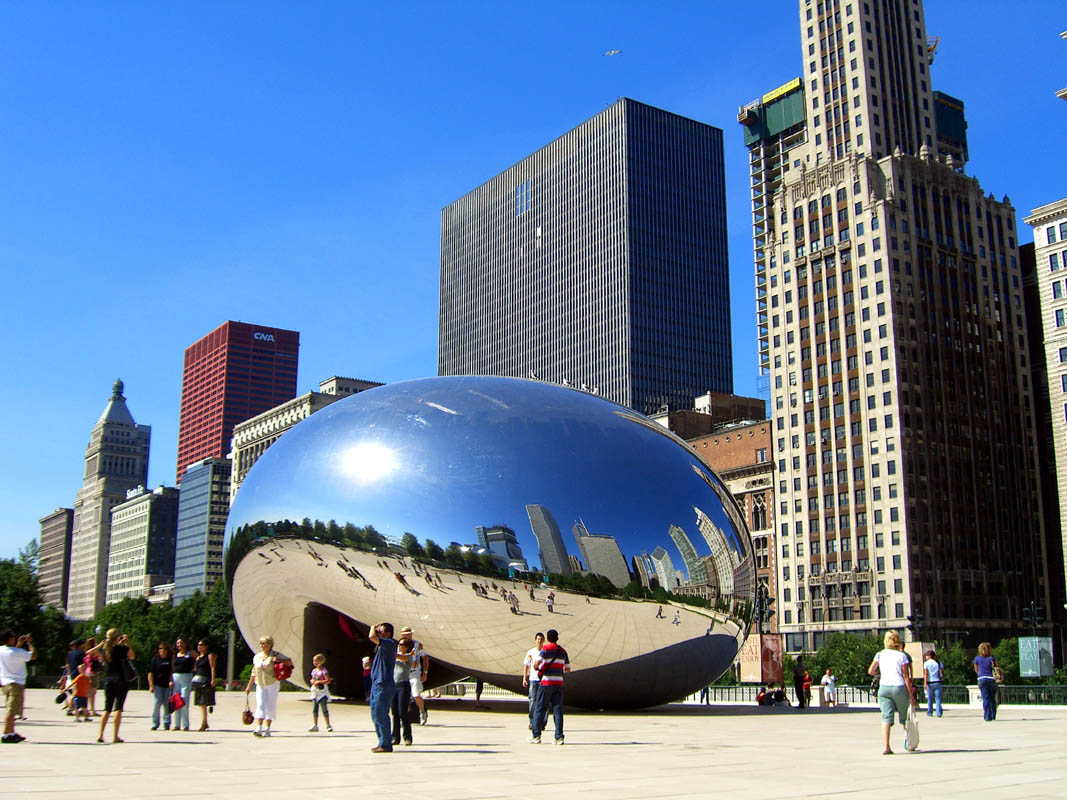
x,y
554,662
382,686
798,681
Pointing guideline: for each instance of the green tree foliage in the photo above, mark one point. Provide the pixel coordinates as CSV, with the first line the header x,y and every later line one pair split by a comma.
x,y
1007,655
21,610
411,544
846,655
959,666
434,551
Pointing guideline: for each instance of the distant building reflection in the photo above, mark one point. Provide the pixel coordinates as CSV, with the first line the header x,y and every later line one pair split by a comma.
x,y
552,551
602,555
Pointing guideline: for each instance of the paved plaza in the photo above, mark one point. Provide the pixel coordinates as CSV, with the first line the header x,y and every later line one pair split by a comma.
x,y
677,751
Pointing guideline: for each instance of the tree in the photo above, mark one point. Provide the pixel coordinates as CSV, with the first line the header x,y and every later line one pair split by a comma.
x,y
29,557
1007,655
411,545
847,656
434,551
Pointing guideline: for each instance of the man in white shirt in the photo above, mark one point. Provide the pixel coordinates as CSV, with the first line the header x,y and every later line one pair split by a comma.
x,y
14,655
829,682
530,677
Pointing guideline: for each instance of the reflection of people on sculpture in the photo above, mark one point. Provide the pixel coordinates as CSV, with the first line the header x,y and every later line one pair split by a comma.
x,y
659,613
677,618
383,685
550,601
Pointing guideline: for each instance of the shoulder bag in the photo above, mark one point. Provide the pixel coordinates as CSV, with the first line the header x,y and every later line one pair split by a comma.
x,y
129,671
998,673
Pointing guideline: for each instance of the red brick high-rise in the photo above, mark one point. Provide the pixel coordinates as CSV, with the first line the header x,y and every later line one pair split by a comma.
x,y
235,372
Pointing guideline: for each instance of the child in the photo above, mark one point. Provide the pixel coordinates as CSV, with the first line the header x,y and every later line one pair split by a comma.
x,y
81,695
320,693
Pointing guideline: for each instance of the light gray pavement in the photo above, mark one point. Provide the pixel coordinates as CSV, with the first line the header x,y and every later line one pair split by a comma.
x,y
678,751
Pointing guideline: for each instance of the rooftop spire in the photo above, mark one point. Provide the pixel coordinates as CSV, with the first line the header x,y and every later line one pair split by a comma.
x,y
116,410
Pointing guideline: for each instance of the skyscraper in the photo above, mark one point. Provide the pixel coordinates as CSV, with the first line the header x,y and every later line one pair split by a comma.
x,y
602,555
142,542
235,372
203,504
53,559
694,563
613,237
890,316
116,460
551,550
668,578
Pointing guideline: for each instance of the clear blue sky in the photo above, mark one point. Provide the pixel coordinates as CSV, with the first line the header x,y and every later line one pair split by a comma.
x,y
164,168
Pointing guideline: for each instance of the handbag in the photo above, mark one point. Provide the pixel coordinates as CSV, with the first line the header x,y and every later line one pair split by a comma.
x,y
282,670
247,717
911,730
129,671
998,673
176,702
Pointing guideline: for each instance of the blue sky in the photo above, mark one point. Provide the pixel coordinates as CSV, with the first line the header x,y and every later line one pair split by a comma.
x,y
165,168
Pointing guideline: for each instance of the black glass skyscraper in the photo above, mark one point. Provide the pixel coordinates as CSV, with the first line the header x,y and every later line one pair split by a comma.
x,y
599,261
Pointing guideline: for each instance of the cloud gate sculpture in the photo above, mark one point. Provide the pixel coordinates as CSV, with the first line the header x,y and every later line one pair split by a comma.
x,y
460,506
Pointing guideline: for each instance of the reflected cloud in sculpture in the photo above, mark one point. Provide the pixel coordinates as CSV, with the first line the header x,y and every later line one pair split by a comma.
x,y
390,504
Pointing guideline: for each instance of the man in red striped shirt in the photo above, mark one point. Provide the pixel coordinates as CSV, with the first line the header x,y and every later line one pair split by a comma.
x,y
553,661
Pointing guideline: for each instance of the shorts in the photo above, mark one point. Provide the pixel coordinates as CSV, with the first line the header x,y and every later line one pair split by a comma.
x,y
81,703
14,694
893,698
415,680
115,690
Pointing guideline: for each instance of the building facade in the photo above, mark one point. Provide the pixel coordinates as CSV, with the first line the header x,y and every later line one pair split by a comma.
x,y
143,534
896,351
252,437
601,555
203,504
53,559
116,460
598,262
741,454
552,553
235,372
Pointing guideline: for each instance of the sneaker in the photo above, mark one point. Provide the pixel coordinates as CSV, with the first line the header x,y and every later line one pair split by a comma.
x,y
257,732
266,734
423,716
313,729
558,741
534,740
407,743
329,728
154,727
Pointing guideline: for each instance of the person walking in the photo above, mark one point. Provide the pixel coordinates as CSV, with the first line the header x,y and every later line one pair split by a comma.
x,y
182,675
204,681
161,685
895,688
383,685
554,662
266,682
15,654
116,649
659,613
320,693
987,684
829,684
402,670
530,678
798,681
934,671
550,602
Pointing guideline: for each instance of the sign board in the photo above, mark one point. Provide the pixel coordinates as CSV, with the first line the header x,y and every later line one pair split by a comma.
x,y
750,660
916,650
785,88
1035,656
771,657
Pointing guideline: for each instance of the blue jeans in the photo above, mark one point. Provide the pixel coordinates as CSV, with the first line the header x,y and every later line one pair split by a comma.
x,y
535,694
161,694
401,721
550,696
933,689
182,683
323,703
381,700
988,688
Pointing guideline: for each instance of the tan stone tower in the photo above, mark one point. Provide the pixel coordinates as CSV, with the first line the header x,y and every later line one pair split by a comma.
x,y
893,336
116,460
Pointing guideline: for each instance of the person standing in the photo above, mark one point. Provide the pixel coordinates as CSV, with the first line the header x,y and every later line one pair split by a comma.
x,y
182,675
94,667
895,688
383,685
405,653
530,679
320,693
807,688
160,684
554,662
798,681
550,601
204,681
419,672
987,684
116,649
934,671
15,653
266,682
829,684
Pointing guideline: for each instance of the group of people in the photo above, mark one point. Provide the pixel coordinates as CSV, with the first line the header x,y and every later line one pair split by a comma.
x,y
542,675
397,672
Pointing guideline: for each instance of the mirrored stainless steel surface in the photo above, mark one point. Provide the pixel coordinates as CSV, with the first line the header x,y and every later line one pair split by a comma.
x,y
461,507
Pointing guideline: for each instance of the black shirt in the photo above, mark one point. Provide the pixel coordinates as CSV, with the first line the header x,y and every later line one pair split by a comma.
x,y
203,667
160,669
119,653
184,664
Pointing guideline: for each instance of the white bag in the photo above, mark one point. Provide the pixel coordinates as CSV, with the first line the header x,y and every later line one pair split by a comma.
x,y
911,730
